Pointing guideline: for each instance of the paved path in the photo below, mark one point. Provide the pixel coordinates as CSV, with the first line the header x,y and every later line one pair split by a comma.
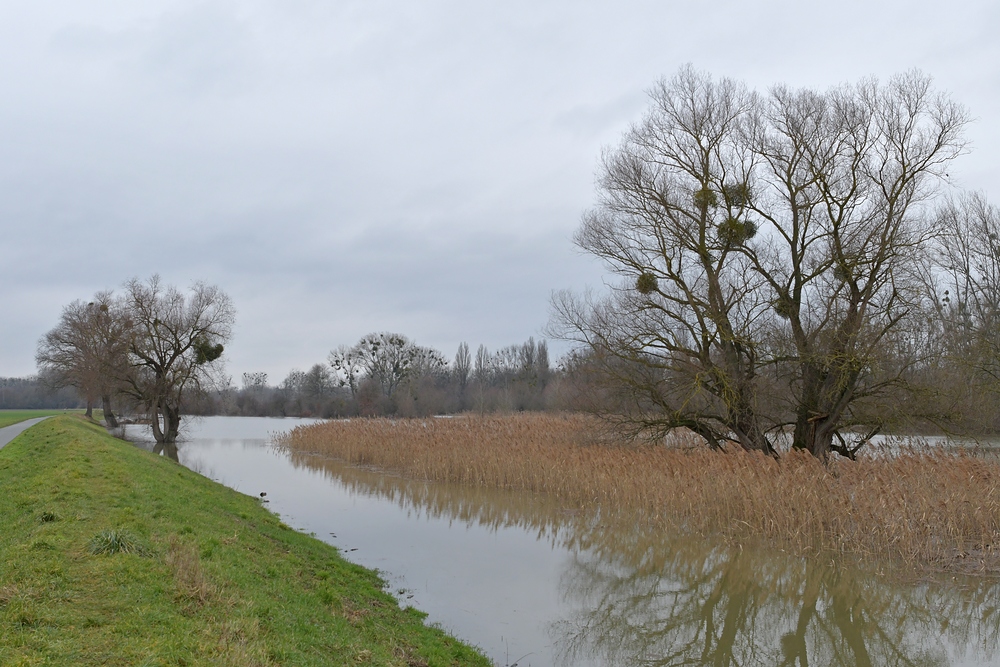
x,y
8,433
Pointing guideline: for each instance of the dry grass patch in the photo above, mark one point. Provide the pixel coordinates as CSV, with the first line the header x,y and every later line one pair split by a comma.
x,y
239,645
928,507
8,593
189,576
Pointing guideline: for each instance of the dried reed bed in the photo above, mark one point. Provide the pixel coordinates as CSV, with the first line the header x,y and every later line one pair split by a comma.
x,y
921,506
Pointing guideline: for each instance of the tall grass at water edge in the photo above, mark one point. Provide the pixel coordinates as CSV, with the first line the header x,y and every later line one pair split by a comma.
x,y
928,507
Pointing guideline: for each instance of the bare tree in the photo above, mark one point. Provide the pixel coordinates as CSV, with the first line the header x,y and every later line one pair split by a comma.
x,y
176,341
463,370
317,383
388,359
482,368
254,381
86,350
762,242
254,392
348,368
965,292
290,393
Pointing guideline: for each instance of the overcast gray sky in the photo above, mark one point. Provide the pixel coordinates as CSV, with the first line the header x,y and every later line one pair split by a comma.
x,y
346,167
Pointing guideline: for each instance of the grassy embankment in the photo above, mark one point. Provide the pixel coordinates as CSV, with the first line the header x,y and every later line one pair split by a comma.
x,y
205,575
10,417
929,509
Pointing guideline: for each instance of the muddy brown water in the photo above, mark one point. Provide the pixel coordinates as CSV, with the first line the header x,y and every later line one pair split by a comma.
x,y
536,584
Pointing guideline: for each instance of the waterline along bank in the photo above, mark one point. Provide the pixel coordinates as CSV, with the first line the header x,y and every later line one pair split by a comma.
x,y
114,556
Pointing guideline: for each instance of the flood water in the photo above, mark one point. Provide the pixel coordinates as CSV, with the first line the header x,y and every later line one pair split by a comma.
x,y
532,583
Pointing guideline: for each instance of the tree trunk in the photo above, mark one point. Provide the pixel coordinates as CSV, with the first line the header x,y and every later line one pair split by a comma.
x,y
154,420
171,416
109,416
813,434
89,414
825,393
166,434
172,422
751,435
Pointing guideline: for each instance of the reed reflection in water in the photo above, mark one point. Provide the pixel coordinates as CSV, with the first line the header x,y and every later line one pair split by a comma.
x,y
633,596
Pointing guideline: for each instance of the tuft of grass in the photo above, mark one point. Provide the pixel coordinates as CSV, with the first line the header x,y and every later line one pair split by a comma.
x,y
108,542
221,584
930,508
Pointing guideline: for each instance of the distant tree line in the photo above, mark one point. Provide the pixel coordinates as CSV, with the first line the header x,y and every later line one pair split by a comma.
x,y
29,393
389,374
154,352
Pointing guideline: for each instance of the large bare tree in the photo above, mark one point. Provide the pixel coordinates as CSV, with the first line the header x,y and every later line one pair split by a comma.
x,y
764,247
176,341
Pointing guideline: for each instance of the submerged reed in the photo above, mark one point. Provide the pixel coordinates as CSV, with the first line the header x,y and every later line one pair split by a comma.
x,y
928,507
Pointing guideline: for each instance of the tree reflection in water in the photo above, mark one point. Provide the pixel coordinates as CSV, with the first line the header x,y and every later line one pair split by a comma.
x,y
639,597
680,602
168,449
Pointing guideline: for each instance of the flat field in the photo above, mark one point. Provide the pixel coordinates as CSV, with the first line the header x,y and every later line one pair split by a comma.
x,y
112,556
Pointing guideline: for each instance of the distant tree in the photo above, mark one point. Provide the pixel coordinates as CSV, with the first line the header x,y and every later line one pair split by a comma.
x,y
462,368
964,293
254,381
316,383
294,381
175,345
288,397
386,358
482,369
426,361
87,350
255,390
542,363
969,294
512,378
425,388
349,368
533,374
481,376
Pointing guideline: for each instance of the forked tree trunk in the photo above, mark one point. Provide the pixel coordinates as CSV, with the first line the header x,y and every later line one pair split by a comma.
x,y
824,396
167,432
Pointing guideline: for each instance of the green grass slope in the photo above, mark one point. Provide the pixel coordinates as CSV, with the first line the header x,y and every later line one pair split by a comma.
x,y
111,556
